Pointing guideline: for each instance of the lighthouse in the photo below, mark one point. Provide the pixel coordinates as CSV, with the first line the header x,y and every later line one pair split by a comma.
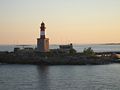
x,y
42,42
42,28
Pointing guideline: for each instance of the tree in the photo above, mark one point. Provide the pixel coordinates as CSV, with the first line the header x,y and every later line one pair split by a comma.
x,y
89,51
72,51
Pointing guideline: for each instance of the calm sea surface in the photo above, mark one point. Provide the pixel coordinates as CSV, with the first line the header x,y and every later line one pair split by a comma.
x,y
79,48
63,77
33,77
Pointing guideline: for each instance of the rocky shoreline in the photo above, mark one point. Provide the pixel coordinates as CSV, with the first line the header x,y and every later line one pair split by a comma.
x,y
47,59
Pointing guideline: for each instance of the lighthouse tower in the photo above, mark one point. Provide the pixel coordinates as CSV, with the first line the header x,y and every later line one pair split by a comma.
x,y
42,42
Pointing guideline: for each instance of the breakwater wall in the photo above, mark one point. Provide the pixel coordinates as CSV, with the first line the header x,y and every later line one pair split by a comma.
x,y
53,59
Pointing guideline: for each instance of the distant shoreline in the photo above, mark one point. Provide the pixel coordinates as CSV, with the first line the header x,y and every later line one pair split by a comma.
x,y
110,44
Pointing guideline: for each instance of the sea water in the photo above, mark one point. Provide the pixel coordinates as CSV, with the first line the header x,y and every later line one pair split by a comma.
x,y
78,48
63,77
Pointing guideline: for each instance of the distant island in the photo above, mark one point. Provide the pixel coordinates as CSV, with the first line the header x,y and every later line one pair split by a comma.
x,y
110,44
64,55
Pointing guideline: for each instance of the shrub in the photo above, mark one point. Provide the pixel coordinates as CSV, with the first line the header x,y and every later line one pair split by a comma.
x,y
89,51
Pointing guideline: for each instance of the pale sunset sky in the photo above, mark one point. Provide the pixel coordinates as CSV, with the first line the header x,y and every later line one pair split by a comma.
x,y
76,21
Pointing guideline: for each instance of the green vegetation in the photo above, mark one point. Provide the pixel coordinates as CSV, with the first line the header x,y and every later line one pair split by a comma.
x,y
72,51
89,51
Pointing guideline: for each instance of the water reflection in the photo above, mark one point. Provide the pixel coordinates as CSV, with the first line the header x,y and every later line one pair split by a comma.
x,y
44,83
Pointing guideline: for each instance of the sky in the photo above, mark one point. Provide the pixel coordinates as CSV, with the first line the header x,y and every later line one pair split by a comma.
x,y
67,21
